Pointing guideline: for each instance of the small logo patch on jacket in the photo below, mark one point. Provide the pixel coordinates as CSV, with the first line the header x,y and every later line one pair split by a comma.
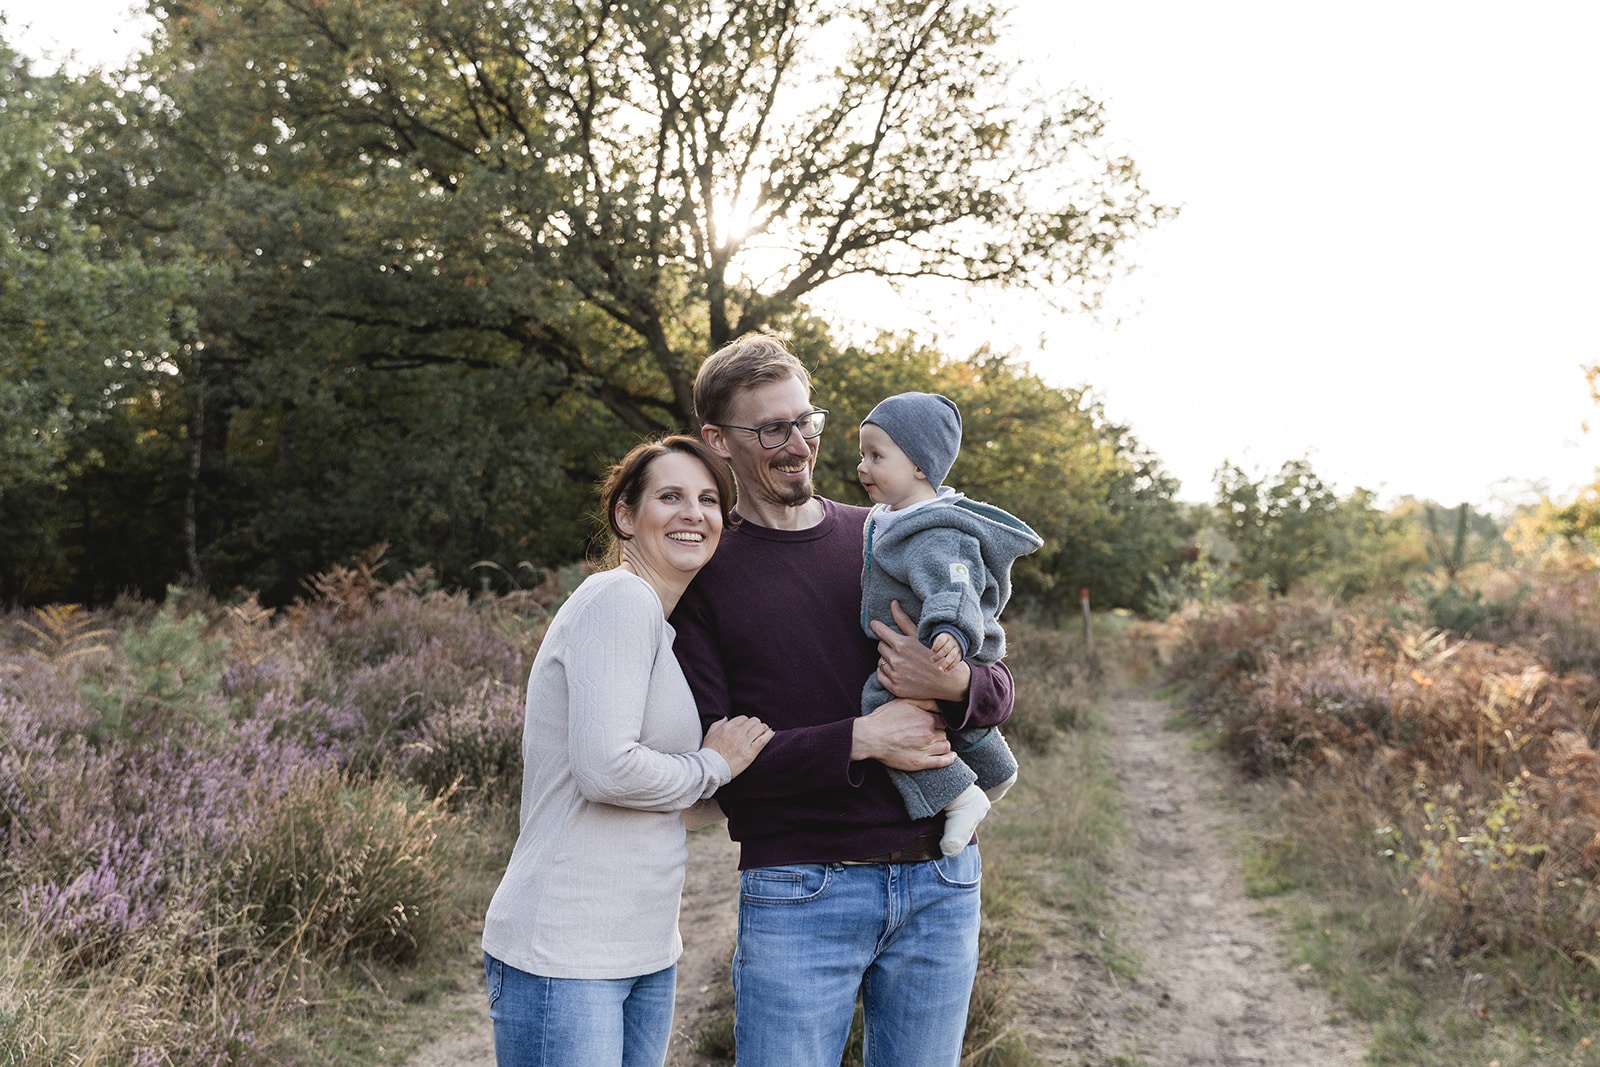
x,y
959,575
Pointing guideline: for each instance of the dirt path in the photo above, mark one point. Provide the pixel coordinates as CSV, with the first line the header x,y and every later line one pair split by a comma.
x,y
1211,990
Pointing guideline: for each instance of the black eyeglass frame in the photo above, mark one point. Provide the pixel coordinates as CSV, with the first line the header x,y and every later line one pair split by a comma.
x,y
789,427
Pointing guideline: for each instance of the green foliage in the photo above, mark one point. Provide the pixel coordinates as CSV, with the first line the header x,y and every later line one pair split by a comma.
x,y
1369,551
1467,611
86,328
447,261
1556,531
1280,529
174,674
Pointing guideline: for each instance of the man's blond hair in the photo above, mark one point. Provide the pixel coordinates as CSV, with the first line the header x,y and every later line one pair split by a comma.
x,y
754,359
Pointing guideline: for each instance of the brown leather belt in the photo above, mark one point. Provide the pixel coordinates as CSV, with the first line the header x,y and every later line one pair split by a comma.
x,y
919,851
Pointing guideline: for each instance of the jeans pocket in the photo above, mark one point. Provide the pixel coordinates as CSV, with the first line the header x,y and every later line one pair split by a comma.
x,y
798,884
494,974
964,870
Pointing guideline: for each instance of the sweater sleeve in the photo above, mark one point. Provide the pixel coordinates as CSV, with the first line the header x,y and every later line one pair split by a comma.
x,y
946,570
611,662
990,696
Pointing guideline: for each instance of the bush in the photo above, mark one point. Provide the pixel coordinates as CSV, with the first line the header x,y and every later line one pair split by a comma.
x,y
1056,690
1474,760
339,870
202,805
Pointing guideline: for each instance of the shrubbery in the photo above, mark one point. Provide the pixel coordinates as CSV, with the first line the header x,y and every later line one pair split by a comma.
x,y
200,805
1470,764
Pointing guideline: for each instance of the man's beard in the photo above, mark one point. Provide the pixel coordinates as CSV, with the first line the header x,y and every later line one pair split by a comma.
x,y
793,496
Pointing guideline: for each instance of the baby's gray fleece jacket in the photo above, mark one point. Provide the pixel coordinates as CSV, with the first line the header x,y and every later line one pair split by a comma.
x,y
949,565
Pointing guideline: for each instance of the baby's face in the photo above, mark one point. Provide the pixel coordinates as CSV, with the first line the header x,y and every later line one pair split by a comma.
x,y
886,473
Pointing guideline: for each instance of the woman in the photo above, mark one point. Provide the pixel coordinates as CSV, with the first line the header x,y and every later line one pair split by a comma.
x,y
581,940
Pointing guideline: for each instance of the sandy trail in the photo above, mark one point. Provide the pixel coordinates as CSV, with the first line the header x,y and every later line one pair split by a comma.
x,y
1212,988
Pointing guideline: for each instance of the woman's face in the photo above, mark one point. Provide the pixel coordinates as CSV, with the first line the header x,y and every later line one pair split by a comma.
x,y
677,522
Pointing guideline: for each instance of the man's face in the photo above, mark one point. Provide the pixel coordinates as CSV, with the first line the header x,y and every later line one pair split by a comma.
x,y
768,477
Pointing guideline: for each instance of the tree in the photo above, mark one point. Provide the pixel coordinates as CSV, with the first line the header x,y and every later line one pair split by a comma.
x,y
1280,530
542,216
85,331
1371,551
617,188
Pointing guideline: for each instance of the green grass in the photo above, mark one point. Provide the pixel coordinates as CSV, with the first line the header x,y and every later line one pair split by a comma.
x,y
1356,931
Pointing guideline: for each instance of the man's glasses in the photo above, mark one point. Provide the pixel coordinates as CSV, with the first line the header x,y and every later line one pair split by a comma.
x,y
775,434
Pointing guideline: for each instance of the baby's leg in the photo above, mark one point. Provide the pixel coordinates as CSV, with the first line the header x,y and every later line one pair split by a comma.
x,y
961,818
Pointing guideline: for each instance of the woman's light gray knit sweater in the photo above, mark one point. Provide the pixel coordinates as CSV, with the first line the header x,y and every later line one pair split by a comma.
x,y
611,756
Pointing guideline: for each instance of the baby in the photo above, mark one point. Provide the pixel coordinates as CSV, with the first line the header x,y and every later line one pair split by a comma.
x,y
947,560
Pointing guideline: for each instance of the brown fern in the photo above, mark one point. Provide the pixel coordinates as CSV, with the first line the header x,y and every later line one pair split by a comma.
x,y
63,633
350,591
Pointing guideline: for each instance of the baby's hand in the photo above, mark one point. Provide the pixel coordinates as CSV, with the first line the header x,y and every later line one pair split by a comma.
x,y
946,652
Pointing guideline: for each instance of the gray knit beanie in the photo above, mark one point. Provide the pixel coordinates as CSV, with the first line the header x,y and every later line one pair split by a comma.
x,y
926,426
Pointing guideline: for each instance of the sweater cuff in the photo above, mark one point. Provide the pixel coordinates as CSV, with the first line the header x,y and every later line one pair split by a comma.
x,y
721,773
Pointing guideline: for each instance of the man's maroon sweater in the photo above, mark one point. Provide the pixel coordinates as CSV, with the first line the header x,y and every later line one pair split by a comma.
x,y
771,628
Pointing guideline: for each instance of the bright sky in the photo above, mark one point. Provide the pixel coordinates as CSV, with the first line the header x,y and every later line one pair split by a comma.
x,y
1387,254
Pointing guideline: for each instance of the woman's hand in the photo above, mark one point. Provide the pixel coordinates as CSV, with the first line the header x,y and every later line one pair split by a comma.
x,y
738,740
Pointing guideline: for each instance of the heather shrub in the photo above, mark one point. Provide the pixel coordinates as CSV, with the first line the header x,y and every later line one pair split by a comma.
x,y
396,623
1226,646
1305,707
1557,616
472,750
113,835
408,660
204,806
1473,762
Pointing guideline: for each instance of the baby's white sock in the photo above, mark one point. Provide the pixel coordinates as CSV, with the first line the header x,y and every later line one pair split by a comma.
x,y
961,817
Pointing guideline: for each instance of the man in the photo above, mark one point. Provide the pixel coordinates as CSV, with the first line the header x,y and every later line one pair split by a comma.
x,y
841,891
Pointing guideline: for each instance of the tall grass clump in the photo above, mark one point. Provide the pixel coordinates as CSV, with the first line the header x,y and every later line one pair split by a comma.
x,y
1453,776
212,815
1046,841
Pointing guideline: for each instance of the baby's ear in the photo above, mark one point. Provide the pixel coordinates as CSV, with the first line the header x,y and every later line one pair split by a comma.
x,y
924,477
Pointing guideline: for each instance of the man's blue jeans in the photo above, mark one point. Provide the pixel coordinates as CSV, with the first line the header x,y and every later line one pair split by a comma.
x,y
811,936
577,1022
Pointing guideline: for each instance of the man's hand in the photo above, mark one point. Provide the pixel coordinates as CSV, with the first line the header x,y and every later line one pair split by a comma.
x,y
903,735
907,669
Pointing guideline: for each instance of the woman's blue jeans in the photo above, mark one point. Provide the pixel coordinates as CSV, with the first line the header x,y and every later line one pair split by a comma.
x,y
811,936
579,1022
